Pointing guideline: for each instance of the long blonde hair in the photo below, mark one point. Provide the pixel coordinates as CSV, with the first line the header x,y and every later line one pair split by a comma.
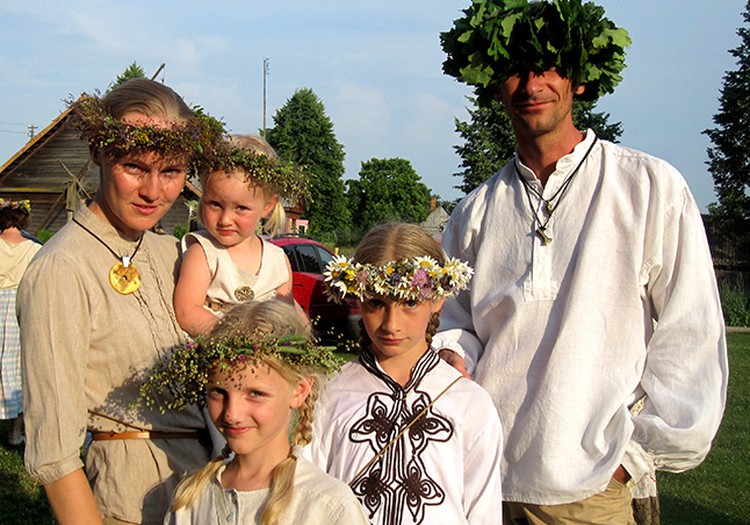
x,y
395,242
271,318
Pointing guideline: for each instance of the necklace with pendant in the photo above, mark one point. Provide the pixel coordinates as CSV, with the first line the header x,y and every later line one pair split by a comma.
x,y
123,276
551,204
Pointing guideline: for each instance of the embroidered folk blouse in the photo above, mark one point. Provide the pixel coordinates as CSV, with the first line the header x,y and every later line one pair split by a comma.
x,y
567,336
443,470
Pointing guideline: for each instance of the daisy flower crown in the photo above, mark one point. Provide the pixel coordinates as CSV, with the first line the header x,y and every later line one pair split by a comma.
x,y
23,205
417,279
180,379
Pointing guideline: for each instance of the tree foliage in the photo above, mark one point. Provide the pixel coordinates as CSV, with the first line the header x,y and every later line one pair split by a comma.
x,y
489,142
303,133
387,190
729,158
132,71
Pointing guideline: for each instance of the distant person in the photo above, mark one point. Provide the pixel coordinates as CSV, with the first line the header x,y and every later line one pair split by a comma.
x,y
229,262
258,372
593,286
416,441
16,252
95,308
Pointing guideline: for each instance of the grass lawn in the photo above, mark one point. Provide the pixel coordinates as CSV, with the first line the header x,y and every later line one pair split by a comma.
x,y
716,493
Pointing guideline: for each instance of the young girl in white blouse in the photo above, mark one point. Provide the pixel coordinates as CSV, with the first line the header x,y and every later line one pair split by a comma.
x,y
258,369
228,262
416,441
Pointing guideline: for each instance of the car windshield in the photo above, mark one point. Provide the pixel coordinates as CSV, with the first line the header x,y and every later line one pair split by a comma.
x,y
308,258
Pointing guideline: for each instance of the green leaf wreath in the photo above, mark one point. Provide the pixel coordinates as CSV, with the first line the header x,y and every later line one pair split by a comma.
x,y
499,38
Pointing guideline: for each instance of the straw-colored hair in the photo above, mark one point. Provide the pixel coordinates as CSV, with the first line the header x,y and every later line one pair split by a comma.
x,y
275,319
254,144
394,242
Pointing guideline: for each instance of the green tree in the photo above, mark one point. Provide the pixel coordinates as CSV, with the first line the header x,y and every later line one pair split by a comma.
x,y
488,139
387,190
303,133
132,71
729,158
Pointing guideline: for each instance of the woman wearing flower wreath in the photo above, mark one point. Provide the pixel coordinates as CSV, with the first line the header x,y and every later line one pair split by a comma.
x,y
416,441
15,253
95,307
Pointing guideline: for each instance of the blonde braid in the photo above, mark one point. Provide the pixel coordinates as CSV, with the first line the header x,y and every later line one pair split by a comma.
x,y
305,416
192,486
432,327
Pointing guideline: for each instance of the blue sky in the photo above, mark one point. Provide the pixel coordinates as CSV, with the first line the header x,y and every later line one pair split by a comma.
x,y
375,65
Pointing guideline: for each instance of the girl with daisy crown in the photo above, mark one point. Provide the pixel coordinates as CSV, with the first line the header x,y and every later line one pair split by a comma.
x,y
416,441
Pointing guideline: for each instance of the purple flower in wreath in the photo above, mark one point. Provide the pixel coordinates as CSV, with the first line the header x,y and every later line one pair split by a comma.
x,y
362,277
421,281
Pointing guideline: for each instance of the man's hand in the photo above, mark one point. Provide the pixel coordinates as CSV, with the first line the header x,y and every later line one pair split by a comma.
x,y
455,360
621,475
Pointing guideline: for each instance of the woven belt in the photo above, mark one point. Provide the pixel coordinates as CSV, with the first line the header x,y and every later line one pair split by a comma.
x,y
146,434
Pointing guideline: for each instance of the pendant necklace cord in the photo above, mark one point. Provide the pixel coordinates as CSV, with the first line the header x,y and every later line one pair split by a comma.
x,y
125,259
528,189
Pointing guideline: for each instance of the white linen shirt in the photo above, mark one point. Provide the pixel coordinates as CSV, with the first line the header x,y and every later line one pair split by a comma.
x,y
567,336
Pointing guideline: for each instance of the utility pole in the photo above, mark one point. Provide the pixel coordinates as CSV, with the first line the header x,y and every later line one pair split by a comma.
x,y
159,70
32,131
265,74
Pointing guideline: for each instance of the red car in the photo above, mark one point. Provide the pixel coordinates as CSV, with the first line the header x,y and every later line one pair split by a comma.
x,y
308,259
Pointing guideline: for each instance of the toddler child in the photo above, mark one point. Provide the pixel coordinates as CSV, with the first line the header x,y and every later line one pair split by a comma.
x,y
257,372
228,262
416,441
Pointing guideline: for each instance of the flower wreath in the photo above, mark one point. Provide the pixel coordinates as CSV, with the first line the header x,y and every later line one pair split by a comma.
x,y
285,178
199,137
183,375
22,205
418,279
498,38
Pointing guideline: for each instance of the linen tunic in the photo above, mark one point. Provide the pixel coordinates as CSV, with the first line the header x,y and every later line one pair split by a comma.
x,y
444,470
567,336
227,278
14,257
87,346
318,499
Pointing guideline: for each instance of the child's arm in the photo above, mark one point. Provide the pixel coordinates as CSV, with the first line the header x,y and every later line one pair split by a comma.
x,y
285,293
190,292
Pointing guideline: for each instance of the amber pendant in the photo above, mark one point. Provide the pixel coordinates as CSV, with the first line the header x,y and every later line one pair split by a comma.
x,y
124,279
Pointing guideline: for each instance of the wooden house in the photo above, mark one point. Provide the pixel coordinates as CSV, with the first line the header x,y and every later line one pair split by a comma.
x,y
54,171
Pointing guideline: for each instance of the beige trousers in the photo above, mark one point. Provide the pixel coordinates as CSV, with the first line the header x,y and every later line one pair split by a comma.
x,y
611,507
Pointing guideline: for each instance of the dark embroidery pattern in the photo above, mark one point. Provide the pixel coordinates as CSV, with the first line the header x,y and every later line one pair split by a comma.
x,y
397,486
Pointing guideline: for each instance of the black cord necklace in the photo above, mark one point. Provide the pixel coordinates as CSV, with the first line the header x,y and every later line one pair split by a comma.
x,y
123,276
551,204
